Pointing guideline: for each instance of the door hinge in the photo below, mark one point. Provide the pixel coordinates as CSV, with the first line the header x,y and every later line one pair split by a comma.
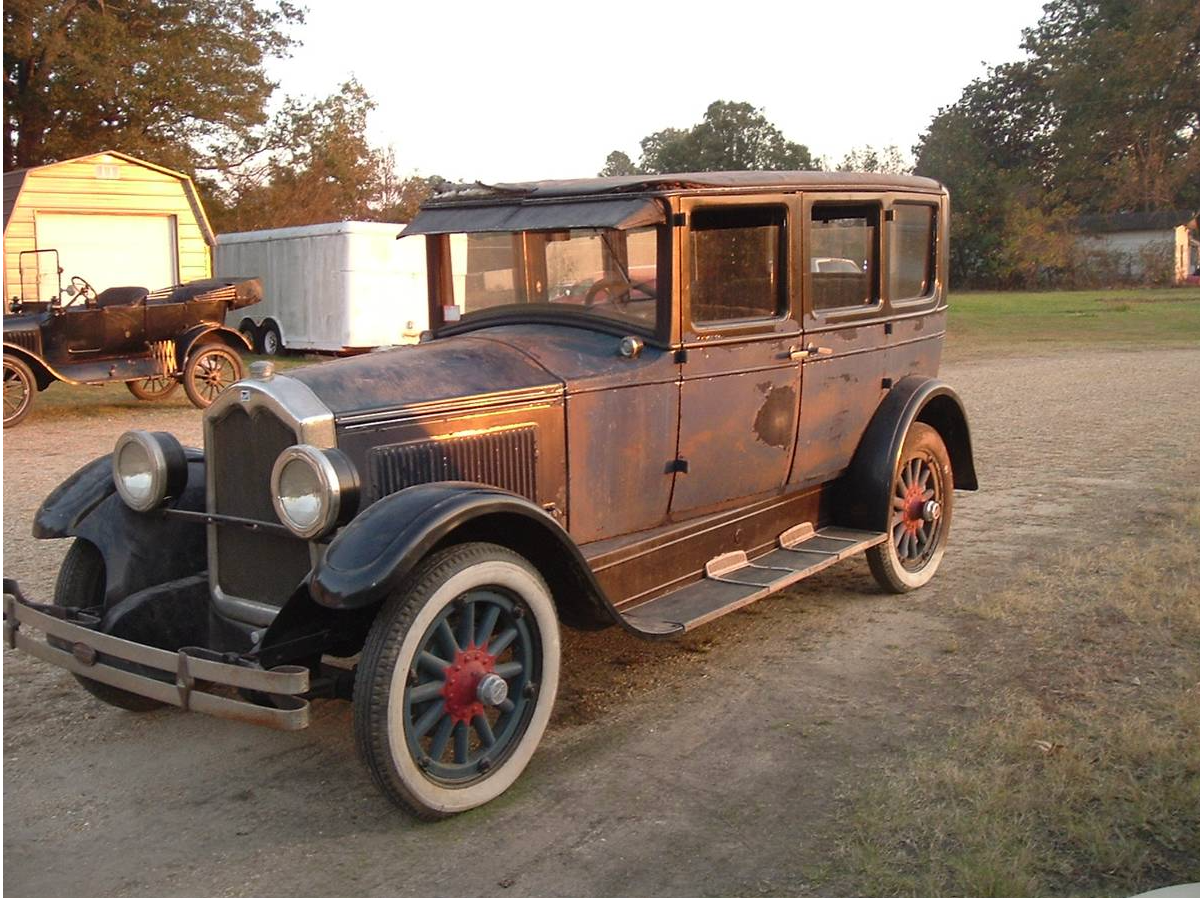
x,y
677,466
680,356
679,219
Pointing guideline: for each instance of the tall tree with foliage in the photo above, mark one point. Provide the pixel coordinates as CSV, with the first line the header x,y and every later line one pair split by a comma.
x,y
731,137
161,79
1102,116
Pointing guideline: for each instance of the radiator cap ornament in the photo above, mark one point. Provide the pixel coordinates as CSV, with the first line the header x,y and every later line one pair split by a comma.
x,y
262,370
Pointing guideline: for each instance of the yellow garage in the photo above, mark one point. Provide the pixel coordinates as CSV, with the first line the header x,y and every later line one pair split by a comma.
x,y
109,218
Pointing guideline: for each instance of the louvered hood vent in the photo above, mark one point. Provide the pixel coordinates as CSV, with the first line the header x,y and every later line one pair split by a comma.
x,y
505,458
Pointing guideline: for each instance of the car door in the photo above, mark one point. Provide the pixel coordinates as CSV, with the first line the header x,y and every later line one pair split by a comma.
x,y
845,337
740,385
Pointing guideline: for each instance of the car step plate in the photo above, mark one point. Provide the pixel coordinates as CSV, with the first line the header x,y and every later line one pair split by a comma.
x,y
732,580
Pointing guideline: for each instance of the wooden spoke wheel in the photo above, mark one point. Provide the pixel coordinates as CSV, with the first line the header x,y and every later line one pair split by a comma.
x,y
208,371
19,388
921,503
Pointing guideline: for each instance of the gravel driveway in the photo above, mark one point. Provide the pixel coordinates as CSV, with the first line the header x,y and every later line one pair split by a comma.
x,y
706,767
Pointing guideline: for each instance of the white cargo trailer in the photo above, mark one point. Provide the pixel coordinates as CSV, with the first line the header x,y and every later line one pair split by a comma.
x,y
338,287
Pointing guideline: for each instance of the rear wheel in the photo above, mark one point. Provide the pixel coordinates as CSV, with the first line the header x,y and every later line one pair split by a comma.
x,y
151,389
208,371
921,504
80,584
457,680
19,387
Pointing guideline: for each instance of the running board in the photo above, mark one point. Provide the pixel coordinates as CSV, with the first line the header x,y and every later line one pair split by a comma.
x,y
732,580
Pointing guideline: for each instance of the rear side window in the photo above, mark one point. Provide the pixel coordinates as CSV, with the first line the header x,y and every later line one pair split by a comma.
x,y
911,252
844,256
738,261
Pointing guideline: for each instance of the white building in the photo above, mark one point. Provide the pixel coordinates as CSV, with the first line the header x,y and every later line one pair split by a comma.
x,y
1134,242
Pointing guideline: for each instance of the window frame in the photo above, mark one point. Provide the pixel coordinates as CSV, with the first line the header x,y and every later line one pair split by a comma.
x,y
931,291
735,328
875,199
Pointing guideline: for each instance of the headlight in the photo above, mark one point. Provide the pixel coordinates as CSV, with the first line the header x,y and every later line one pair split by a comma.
x,y
313,490
148,468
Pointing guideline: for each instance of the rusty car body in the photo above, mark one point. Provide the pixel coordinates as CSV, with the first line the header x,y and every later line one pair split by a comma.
x,y
151,341
654,454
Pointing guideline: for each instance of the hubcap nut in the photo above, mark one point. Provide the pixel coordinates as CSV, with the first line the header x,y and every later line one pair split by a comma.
x,y
492,690
932,510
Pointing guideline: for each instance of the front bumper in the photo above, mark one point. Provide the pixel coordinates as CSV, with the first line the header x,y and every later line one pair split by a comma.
x,y
186,674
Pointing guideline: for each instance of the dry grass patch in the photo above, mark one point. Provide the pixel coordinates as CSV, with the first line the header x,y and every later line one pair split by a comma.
x,y
1081,774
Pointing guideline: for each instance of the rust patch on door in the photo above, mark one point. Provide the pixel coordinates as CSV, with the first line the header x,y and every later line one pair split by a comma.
x,y
775,422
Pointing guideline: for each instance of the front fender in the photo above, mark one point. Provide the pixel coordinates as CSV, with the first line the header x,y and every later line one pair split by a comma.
x,y
372,555
207,333
140,549
864,500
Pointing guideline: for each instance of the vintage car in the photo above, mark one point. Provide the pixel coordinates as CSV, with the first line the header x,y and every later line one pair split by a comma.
x,y
407,529
151,341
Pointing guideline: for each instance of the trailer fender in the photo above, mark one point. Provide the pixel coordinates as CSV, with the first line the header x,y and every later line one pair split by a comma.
x,y
373,554
866,488
140,550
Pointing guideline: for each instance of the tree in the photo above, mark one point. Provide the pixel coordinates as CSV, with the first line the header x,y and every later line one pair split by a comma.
x,y
731,137
1103,116
618,163
888,160
310,164
163,79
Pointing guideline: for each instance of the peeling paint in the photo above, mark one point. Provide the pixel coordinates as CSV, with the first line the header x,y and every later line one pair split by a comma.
x,y
775,422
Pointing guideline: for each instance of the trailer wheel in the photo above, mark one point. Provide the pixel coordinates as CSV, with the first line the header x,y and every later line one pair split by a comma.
x,y
269,340
250,332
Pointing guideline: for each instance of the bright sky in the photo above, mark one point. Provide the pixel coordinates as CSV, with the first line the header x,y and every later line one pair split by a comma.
x,y
533,89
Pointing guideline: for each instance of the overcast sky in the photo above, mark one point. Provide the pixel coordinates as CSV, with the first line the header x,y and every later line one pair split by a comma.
x,y
523,91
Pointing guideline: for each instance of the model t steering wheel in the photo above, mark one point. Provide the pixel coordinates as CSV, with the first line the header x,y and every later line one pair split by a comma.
x,y
610,286
78,287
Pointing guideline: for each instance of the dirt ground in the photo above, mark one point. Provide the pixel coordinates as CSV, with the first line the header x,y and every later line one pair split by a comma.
x,y
713,766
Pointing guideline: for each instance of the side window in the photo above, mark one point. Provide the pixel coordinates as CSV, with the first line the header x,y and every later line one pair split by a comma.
x,y
911,251
738,261
844,256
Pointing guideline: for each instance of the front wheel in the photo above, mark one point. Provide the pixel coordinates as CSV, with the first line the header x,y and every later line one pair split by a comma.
x,y
457,680
80,584
19,387
921,504
152,389
208,371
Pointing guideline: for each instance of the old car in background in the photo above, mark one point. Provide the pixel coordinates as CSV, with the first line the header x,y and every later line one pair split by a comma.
x,y
661,451
150,340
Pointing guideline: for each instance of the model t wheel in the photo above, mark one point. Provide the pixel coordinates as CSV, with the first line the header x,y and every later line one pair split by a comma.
x,y
151,389
80,584
922,500
208,371
457,680
19,387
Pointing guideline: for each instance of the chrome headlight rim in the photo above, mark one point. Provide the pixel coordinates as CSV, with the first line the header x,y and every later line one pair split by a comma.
x,y
336,487
167,463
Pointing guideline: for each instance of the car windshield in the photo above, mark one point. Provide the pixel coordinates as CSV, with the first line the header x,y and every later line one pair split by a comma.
x,y
608,273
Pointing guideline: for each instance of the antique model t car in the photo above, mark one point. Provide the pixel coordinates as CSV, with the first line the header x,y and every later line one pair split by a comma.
x,y
651,458
151,341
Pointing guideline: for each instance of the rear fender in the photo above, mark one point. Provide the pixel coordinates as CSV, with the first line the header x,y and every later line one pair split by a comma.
x,y
864,498
372,555
140,549
209,333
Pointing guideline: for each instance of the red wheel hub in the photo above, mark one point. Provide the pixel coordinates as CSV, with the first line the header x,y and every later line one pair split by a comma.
x,y
470,665
914,508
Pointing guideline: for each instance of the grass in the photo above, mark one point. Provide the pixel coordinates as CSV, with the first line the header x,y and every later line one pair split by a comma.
x,y
100,400
1082,776
1017,323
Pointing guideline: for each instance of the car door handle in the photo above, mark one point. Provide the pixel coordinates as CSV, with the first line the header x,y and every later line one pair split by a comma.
x,y
797,353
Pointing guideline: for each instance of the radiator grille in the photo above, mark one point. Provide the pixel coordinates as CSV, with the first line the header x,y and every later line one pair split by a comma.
x,y
505,458
261,566
31,340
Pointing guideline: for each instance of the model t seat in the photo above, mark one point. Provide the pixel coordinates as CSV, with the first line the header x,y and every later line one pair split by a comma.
x,y
120,296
